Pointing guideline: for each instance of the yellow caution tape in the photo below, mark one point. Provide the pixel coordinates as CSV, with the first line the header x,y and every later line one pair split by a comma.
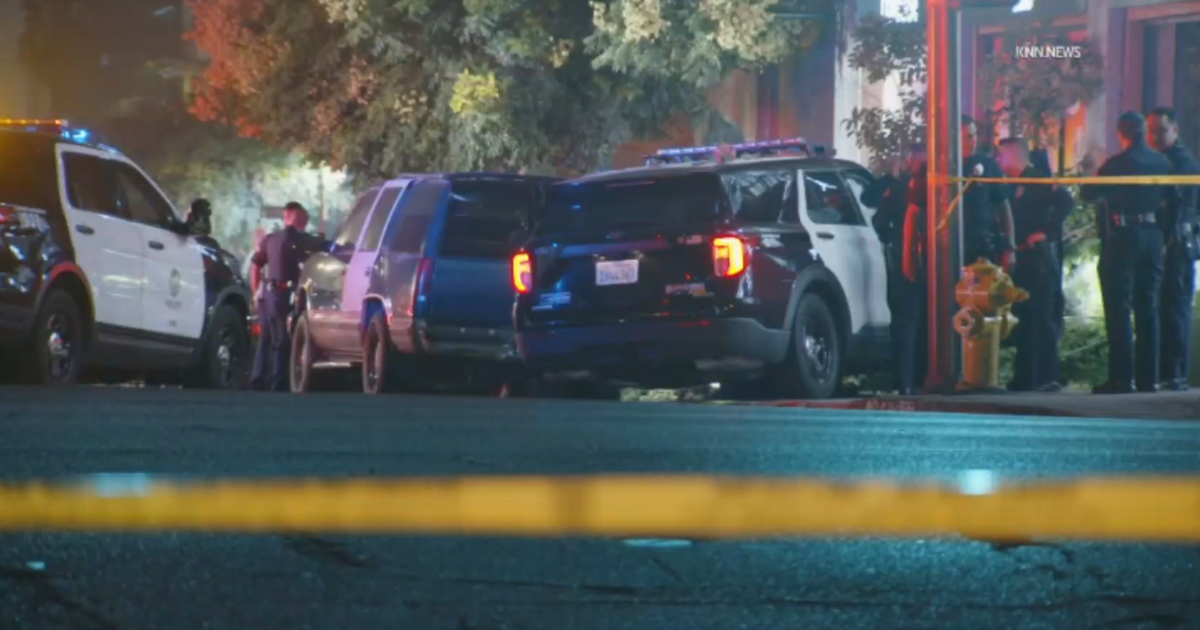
x,y
1145,180
1152,509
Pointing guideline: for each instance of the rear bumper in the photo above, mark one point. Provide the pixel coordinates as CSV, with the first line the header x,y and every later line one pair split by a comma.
x,y
621,347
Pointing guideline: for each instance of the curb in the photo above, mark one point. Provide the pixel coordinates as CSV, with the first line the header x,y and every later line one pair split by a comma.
x,y
918,405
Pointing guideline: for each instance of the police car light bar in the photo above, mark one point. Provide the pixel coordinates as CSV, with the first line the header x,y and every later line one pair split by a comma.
x,y
701,154
56,126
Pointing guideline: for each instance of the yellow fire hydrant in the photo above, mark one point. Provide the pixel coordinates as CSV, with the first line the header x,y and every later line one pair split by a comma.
x,y
986,295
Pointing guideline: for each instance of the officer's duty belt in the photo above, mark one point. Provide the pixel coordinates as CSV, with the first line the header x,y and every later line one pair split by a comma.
x,y
1131,220
279,285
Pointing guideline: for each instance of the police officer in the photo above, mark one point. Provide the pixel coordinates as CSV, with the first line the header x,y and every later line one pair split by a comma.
x,y
1131,256
1040,160
282,253
912,296
889,196
987,216
1038,214
199,222
1183,249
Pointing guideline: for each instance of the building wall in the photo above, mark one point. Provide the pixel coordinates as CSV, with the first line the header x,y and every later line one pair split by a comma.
x,y
20,97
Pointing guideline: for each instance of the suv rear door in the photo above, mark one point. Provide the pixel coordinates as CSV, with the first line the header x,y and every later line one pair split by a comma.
x,y
831,216
632,248
470,294
358,275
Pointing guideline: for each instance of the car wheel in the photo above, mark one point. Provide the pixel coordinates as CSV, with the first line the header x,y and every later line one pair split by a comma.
x,y
813,368
379,357
58,340
300,367
225,356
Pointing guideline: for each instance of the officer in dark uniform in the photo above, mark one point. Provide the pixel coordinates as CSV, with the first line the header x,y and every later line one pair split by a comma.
x,y
281,252
1183,249
910,315
1038,213
199,222
1131,256
889,195
986,214
1040,160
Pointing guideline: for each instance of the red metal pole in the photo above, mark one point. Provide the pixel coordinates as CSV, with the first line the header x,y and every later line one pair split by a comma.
x,y
940,378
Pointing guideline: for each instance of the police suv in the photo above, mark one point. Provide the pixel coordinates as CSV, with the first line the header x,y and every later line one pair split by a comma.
x,y
764,262
98,270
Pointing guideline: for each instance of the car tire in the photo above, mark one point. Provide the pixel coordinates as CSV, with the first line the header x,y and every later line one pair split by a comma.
x,y
226,353
379,366
813,367
58,341
300,361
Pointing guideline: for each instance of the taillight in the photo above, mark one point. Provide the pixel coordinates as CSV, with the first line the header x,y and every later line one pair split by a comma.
x,y
8,216
423,284
522,272
729,256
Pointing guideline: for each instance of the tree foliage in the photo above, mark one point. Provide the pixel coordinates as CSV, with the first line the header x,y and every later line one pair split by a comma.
x,y
383,86
887,48
1034,95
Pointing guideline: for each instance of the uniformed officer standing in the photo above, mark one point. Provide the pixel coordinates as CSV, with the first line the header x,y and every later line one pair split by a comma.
x,y
1040,160
1038,214
281,252
986,214
1183,249
912,300
1131,256
889,195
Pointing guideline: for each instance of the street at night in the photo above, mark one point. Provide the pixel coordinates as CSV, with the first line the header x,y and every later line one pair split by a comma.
x,y
135,581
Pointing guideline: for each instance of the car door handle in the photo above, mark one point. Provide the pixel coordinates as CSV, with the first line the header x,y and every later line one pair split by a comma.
x,y
156,245
85,229
825,235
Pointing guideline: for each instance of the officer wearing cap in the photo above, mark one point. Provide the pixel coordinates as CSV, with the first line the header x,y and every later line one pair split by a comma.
x,y
1179,260
1131,256
910,327
1038,214
281,253
987,216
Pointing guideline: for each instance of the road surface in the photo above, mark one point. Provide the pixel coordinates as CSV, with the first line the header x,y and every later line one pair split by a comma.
x,y
179,582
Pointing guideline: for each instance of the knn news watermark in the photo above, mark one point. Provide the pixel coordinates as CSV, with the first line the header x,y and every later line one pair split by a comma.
x,y
1048,51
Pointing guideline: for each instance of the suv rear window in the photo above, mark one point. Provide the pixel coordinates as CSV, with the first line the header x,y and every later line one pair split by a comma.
x,y
485,216
650,201
28,174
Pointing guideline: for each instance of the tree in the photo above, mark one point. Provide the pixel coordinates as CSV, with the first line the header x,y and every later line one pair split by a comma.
x,y
382,86
887,48
1035,95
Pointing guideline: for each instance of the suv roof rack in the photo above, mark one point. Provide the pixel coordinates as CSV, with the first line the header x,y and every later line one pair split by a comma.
x,y
766,148
55,126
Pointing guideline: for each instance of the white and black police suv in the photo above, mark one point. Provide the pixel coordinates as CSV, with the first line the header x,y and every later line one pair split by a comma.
x,y
98,271
764,262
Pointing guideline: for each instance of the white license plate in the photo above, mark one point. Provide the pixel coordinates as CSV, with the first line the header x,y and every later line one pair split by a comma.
x,y
614,272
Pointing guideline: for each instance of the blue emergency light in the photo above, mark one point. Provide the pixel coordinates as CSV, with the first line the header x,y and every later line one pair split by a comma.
x,y
765,148
55,126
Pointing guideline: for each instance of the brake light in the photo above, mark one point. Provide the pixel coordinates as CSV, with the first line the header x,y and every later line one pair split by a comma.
x,y
422,286
729,256
522,272
8,215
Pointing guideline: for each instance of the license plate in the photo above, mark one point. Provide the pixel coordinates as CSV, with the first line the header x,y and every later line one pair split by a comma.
x,y
615,272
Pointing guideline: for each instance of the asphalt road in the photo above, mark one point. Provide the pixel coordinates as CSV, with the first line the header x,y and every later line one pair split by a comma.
x,y
180,582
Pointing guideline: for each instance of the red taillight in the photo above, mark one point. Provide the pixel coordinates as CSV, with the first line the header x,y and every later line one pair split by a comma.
x,y
8,216
256,329
522,272
422,285
729,256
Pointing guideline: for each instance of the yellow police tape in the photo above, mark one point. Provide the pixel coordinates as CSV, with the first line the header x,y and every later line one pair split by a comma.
x,y
1152,509
1112,180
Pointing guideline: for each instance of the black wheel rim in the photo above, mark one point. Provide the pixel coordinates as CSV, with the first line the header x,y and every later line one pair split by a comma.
x,y
817,351
60,346
300,358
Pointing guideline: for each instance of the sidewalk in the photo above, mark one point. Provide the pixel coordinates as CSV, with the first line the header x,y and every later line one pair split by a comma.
x,y
1072,404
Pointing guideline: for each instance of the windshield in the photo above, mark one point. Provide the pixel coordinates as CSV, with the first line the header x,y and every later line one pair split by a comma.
x,y
653,201
27,172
